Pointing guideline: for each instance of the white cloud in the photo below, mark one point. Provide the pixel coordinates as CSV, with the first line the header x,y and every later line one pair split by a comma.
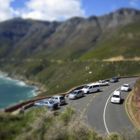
x,y
42,9
52,9
6,12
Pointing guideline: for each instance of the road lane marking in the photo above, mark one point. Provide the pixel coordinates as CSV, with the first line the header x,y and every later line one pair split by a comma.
x,y
104,113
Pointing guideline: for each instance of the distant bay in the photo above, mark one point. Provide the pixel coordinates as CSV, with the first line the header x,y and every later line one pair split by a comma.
x,y
14,91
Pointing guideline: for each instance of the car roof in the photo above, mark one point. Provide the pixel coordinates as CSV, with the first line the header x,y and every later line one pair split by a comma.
x,y
78,90
93,84
57,96
125,84
116,92
46,100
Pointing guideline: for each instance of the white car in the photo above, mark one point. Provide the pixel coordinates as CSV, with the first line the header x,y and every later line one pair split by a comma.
x,y
76,94
94,87
125,87
103,83
116,97
59,99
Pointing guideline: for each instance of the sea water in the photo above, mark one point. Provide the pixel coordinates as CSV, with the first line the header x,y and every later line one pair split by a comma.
x,y
14,91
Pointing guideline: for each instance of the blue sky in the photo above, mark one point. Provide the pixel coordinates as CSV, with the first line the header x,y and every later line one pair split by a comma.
x,y
100,7
60,9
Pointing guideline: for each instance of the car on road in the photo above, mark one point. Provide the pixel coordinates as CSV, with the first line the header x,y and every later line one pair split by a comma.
x,y
40,103
116,97
103,82
59,99
89,88
125,87
77,88
47,102
76,94
114,80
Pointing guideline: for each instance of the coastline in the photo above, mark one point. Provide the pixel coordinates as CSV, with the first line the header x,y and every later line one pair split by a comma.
x,y
39,88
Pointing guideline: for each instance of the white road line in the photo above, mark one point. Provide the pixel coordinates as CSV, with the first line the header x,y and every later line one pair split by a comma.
x,y
104,113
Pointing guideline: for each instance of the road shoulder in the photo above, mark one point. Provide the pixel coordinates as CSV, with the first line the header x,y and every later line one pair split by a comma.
x,y
129,110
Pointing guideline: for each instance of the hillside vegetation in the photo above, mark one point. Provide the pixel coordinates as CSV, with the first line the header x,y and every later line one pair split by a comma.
x,y
52,126
61,55
124,41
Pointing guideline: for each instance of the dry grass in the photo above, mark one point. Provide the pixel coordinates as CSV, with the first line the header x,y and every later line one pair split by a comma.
x,y
64,126
135,103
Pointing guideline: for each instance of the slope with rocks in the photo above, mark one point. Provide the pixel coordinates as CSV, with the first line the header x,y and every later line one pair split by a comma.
x,y
58,53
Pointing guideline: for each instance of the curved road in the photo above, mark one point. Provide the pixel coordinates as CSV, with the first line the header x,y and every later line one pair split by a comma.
x,y
100,114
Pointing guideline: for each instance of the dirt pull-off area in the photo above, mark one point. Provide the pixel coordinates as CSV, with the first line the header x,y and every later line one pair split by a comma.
x,y
121,58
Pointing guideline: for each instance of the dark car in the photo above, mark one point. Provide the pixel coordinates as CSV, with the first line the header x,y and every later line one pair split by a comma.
x,y
114,80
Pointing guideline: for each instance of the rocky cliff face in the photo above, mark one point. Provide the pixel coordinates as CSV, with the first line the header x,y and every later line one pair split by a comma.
x,y
26,38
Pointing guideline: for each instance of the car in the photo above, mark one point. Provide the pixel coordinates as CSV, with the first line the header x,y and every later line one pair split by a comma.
x,y
76,94
125,87
114,80
47,102
76,88
40,103
103,83
93,87
59,99
116,97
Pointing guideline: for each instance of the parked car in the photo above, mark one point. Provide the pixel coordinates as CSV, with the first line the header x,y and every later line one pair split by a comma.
x,y
94,87
76,94
59,99
116,97
47,102
125,87
103,83
40,103
114,79
77,88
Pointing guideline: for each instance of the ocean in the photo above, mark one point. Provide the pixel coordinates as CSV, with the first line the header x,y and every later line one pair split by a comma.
x,y
14,91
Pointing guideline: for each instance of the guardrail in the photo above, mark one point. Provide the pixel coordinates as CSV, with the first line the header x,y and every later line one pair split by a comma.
x,y
25,104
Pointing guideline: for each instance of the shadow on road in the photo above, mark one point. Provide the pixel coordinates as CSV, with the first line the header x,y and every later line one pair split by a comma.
x,y
122,101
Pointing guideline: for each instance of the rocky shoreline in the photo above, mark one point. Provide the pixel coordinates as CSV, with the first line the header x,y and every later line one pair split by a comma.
x,y
40,88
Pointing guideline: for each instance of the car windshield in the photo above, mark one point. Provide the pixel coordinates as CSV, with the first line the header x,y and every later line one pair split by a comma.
x,y
75,92
86,87
79,87
116,96
51,102
125,85
62,98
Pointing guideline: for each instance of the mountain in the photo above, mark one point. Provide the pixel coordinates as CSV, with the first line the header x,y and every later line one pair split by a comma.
x,y
58,53
76,36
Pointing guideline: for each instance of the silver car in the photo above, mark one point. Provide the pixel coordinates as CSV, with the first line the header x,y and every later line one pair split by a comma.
x,y
76,94
59,99
47,102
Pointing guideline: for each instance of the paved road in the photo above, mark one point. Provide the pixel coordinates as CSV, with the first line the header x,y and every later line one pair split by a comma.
x,y
100,114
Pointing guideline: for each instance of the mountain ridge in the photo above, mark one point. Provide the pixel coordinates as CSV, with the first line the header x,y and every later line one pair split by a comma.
x,y
61,55
21,38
